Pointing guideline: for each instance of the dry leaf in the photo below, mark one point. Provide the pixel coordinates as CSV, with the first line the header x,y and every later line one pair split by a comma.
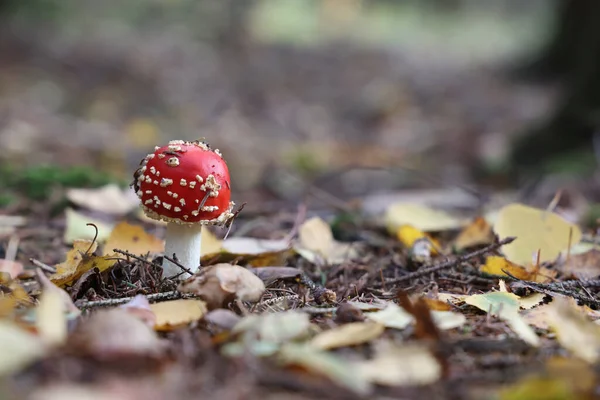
x,y
534,229
496,265
316,243
325,364
114,333
78,230
351,334
582,266
392,316
506,307
220,284
174,314
18,347
109,199
280,327
133,239
446,320
395,365
222,318
50,318
79,260
421,217
574,331
140,307
477,233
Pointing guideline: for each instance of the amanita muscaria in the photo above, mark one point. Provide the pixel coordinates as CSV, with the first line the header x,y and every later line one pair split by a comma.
x,y
185,184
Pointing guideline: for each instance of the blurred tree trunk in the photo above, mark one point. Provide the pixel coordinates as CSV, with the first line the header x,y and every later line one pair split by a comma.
x,y
573,57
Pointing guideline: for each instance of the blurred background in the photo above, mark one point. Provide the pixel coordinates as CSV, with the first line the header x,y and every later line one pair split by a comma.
x,y
352,96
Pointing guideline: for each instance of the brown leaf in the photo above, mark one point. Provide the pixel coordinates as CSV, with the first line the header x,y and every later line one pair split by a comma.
x,y
583,266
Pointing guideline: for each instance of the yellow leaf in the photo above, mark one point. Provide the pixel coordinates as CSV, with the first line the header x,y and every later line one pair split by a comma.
x,y
419,216
316,242
133,239
506,307
79,261
77,228
174,314
478,232
246,250
18,347
535,229
496,265
51,321
347,335
408,235
574,331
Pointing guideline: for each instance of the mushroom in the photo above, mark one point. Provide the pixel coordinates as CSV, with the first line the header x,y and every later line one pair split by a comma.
x,y
185,184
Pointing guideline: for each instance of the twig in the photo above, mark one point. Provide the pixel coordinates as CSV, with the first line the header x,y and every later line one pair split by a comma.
x,y
45,267
176,262
128,254
173,295
566,288
451,263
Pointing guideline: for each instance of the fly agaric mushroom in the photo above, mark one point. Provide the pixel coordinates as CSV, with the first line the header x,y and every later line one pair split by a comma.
x,y
185,184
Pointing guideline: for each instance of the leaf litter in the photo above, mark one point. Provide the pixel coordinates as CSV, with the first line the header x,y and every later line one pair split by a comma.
x,y
350,316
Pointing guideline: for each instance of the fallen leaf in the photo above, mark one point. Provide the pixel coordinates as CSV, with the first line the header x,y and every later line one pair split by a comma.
x,y
51,321
574,331
395,365
78,261
506,307
113,334
421,217
140,307
496,265
478,232
535,230
316,243
109,199
277,327
174,314
582,266
18,347
446,320
351,334
76,228
253,251
220,284
532,300
133,239
222,318
324,364
392,316
408,235
437,305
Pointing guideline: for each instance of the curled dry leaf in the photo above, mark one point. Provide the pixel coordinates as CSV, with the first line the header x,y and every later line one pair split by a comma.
x,y
351,334
133,239
110,334
174,314
79,261
220,284
316,243
582,266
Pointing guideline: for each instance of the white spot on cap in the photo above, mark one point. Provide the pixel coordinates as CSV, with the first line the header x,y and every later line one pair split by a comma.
x,y
164,182
185,217
166,205
153,170
182,202
149,201
156,183
148,191
195,213
161,156
148,179
175,195
177,209
192,184
210,208
199,178
183,182
156,148
173,162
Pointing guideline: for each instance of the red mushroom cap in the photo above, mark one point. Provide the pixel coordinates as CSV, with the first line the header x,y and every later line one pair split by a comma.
x,y
186,183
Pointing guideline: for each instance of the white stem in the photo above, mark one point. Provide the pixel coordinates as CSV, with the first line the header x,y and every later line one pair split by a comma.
x,y
186,242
